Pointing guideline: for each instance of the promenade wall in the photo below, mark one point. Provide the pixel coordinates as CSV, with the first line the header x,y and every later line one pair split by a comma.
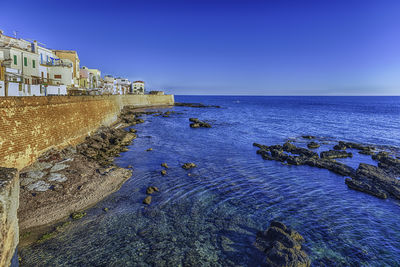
x,y
31,125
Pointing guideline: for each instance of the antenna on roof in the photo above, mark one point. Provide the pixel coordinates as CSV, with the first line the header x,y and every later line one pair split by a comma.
x,y
30,40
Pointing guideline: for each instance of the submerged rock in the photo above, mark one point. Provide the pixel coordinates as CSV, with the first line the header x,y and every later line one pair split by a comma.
x,y
151,189
165,165
199,124
282,246
195,105
149,149
189,165
147,200
308,136
78,215
163,172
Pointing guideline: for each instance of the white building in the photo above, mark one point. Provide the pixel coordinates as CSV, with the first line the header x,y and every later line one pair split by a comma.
x,y
138,88
123,86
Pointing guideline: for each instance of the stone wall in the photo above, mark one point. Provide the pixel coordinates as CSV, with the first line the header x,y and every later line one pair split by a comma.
x,y
9,201
31,125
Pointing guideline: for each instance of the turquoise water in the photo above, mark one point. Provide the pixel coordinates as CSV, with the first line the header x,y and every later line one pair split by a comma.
x,y
210,218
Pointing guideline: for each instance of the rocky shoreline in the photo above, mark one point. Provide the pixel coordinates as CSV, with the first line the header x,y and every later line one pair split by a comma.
x,y
63,183
380,181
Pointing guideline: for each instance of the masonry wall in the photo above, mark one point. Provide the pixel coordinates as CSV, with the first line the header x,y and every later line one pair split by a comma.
x,y
31,125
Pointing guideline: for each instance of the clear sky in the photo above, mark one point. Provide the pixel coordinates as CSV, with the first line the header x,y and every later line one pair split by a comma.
x,y
251,47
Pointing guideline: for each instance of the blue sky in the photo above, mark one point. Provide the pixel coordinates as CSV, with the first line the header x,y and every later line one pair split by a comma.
x,y
249,47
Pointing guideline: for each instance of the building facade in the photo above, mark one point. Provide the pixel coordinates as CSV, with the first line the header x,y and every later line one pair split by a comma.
x,y
138,88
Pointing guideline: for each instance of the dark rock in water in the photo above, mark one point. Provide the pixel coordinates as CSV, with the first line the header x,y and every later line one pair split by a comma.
x,y
282,246
149,149
355,145
194,119
151,189
278,155
163,172
308,136
165,165
132,130
195,105
261,146
313,145
333,166
147,200
365,187
296,160
188,166
388,163
195,125
334,154
377,177
340,146
289,147
198,123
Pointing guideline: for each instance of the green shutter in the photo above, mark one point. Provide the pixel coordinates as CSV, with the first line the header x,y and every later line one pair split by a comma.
x,y
25,61
33,63
15,60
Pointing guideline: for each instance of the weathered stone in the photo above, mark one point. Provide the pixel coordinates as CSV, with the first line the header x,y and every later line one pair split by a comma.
x,y
308,136
163,172
149,149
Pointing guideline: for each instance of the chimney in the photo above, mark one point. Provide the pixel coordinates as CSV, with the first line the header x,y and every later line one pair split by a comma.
x,y
34,47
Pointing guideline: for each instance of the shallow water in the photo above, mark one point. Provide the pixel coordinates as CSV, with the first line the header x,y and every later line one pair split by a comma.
x,y
211,217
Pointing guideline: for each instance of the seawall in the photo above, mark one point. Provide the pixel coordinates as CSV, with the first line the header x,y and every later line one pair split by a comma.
x,y
31,125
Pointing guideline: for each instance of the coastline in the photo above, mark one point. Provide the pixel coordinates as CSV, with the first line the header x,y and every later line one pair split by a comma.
x,y
62,182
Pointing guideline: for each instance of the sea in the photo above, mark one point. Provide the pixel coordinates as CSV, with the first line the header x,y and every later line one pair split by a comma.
x,y
210,215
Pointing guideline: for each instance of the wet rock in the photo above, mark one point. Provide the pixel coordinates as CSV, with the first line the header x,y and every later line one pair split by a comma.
x,y
188,166
308,136
200,124
333,154
282,246
289,147
331,165
163,172
388,163
313,145
147,200
340,146
151,189
194,120
261,146
132,130
365,187
165,165
149,149
375,181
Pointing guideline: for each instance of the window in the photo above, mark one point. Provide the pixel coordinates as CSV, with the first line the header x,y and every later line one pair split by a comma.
x,y
33,63
25,61
15,60
57,76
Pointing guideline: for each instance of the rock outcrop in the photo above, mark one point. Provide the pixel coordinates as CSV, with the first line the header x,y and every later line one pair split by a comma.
x,y
334,154
188,166
9,202
282,246
196,123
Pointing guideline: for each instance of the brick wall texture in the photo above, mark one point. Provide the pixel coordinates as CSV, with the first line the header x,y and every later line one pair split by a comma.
x,y
31,125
